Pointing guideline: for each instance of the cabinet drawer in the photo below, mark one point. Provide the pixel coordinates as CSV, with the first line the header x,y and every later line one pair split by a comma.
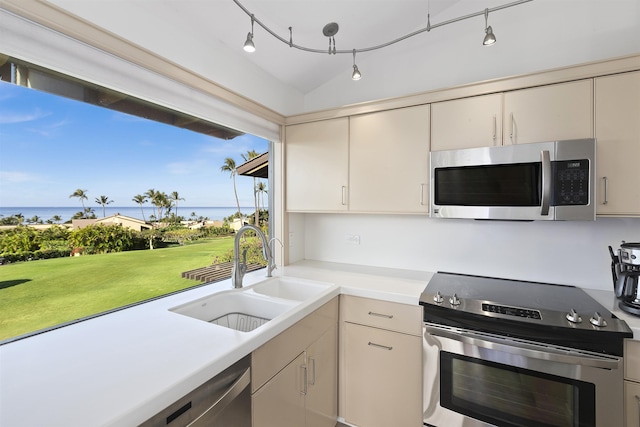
x,y
392,316
632,404
632,360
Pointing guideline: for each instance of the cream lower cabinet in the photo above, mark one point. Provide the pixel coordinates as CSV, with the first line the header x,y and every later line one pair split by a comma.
x,y
381,363
618,144
295,375
389,161
632,383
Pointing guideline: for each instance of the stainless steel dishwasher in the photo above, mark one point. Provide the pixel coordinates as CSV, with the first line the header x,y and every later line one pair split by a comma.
x,y
223,401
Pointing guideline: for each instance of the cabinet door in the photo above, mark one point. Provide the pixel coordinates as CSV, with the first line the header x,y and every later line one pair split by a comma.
x,y
549,113
389,161
322,372
632,404
317,161
467,123
383,377
281,401
618,144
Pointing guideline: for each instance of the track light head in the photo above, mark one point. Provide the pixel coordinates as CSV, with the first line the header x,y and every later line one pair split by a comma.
x,y
489,37
356,73
248,45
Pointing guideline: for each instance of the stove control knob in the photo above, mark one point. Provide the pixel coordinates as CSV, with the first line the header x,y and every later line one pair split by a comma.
x,y
598,320
574,317
437,298
454,300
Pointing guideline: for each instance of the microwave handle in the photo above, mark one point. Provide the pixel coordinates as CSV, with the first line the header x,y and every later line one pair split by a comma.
x,y
546,182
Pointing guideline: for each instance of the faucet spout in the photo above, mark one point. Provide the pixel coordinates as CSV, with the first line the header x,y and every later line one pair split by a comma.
x,y
240,267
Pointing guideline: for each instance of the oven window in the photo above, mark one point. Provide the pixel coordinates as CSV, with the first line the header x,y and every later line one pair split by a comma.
x,y
515,184
509,396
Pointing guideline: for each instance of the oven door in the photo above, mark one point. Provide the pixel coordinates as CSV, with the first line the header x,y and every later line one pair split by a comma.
x,y
475,379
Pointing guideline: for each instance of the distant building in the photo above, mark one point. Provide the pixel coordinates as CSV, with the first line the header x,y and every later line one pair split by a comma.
x,y
123,220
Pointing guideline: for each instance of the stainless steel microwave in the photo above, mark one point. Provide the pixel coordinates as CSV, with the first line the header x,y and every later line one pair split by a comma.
x,y
552,181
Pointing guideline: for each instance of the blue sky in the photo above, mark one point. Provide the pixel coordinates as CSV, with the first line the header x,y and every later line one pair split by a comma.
x,y
50,146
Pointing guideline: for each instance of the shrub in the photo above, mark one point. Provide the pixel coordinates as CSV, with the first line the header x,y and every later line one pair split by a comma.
x,y
99,238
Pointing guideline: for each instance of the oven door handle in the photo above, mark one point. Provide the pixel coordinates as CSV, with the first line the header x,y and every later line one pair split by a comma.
x,y
525,348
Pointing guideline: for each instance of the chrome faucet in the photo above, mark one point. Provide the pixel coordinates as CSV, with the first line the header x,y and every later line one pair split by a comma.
x,y
240,268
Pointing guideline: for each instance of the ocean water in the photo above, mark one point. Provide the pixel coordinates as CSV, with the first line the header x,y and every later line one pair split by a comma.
x,y
66,212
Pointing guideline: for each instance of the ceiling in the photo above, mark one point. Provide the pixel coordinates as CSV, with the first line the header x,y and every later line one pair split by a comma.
x,y
222,23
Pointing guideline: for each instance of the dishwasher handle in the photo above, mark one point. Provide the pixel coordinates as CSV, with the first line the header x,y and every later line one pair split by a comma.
x,y
224,400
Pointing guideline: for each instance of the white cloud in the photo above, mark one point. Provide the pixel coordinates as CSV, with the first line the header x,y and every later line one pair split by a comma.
x,y
7,117
12,176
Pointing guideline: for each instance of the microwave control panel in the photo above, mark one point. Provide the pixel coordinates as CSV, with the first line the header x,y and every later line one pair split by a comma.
x,y
571,182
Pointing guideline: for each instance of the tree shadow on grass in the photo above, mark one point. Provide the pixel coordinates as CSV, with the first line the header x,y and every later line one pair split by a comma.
x,y
9,283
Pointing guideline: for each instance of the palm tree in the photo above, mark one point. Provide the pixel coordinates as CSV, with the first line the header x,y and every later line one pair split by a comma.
x,y
140,199
82,195
175,197
250,155
230,166
103,200
262,190
56,219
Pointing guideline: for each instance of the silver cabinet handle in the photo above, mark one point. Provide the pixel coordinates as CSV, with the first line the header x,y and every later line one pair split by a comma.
x,y
223,401
495,129
546,182
422,194
344,195
385,347
388,316
606,190
313,371
513,127
304,380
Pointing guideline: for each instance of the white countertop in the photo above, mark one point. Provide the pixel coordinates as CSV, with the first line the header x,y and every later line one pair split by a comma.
x,y
122,368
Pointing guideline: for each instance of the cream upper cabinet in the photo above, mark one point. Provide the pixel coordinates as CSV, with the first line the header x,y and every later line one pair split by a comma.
x,y
389,161
317,162
467,123
618,144
548,113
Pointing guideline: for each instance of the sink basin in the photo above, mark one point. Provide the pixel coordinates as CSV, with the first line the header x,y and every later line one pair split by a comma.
x,y
235,310
288,288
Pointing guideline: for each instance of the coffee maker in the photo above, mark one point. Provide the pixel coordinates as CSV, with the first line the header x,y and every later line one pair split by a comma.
x,y
625,268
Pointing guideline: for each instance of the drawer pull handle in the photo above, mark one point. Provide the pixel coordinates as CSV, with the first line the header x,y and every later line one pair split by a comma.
x,y
388,316
386,347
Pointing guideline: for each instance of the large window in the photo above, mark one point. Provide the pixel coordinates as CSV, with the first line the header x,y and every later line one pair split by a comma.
x,y
107,200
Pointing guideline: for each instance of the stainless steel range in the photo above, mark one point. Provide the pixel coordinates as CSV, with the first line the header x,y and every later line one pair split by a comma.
x,y
511,353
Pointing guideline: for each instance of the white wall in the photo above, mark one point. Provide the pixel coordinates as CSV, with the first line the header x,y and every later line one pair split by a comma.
x,y
535,36
573,253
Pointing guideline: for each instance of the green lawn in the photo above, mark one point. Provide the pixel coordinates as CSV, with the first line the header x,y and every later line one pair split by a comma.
x,y
39,294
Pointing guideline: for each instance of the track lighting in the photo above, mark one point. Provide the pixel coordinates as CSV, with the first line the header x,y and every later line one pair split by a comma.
x,y
248,45
356,73
331,29
489,37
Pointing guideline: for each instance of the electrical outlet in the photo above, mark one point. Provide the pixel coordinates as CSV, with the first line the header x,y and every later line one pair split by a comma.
x,y
354,239
291,238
